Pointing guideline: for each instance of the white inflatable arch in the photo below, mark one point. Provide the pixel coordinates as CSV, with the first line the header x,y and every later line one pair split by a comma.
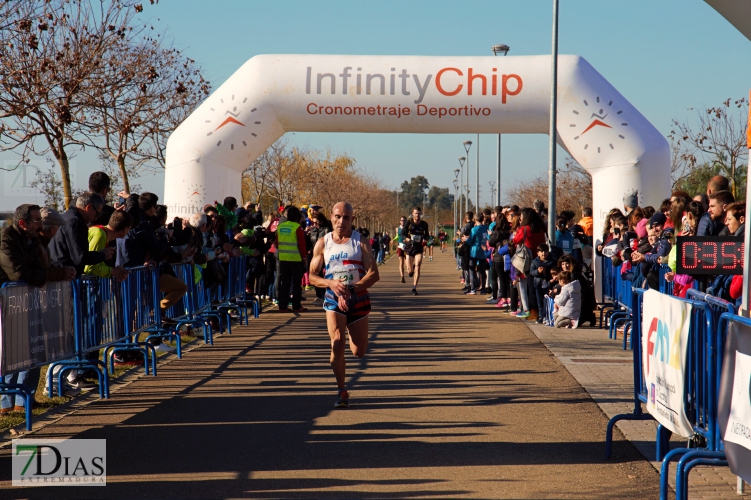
x,y
273,94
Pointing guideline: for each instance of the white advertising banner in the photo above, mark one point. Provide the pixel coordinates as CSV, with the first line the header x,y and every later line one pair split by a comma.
x,y
738,429
665,327
734,403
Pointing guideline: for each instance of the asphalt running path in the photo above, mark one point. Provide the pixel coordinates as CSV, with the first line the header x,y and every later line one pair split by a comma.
x,y
453,400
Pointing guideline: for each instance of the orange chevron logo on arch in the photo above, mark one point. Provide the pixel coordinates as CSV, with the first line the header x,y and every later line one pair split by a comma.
x,y
229,120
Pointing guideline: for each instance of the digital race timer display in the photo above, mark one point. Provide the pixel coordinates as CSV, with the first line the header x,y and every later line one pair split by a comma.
x,y
709,255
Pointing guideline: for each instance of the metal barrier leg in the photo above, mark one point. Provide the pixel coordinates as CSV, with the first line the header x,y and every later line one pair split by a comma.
x,y
611,426
688,462
626,333
20,390
27,406
663,442
619,321
612,333
178,344
130,347
65,366
603,309
665,470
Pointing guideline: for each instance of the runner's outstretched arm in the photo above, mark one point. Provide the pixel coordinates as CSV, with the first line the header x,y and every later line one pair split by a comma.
x,y
368,262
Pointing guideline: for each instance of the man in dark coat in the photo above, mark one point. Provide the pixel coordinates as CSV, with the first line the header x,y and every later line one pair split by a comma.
x,y
21,260
70,246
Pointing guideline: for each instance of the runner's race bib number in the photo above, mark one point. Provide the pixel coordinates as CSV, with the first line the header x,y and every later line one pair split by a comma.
x,y
349,276
417,238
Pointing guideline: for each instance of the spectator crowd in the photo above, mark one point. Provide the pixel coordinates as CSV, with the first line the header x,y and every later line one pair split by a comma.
x,y
505,253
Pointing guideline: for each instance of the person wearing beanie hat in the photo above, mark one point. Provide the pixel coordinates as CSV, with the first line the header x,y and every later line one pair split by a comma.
x,y
658,219
630,201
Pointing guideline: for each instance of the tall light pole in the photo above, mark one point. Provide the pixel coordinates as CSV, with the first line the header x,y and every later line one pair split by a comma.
x,y
553,119
467,147
456,202
496,50
477,177
456,188
462,160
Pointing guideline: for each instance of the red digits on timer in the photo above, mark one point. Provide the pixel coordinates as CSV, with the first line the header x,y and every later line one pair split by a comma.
x,y
712,255
693,246
728,259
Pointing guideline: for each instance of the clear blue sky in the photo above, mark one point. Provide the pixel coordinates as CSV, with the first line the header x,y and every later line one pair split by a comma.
x,y
665,57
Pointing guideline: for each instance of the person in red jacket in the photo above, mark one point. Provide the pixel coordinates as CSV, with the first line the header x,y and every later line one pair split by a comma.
x,y
530,233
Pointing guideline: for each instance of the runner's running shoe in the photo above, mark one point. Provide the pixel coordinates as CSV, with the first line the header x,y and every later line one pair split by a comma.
x,y
343,401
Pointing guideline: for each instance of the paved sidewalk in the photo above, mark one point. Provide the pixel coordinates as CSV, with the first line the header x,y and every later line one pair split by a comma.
x,y
453,400
606,373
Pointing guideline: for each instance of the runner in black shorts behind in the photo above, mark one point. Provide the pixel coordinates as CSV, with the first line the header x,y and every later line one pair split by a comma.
x,y
416,236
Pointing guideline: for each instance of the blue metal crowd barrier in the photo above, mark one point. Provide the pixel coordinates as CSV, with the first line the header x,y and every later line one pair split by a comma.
x,y
98,322
109,316
239,293
703,371
141,313
666,286
183,312
18,389
641,392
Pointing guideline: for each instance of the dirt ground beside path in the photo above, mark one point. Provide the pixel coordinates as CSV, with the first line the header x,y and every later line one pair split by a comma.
x,y
452,400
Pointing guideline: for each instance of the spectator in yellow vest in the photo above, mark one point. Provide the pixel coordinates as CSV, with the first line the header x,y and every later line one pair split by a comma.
x,y
291,255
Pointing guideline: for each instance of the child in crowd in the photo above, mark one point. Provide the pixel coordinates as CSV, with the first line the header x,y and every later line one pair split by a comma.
x,y
554,288
568,303
540,272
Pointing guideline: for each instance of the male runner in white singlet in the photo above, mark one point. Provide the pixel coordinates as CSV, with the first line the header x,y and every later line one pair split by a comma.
x,y
350,270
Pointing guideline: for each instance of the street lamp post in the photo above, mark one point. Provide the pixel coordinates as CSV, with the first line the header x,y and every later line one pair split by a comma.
x,y
456,187
456,202
462,160
496,50
553,119
467,147
477,177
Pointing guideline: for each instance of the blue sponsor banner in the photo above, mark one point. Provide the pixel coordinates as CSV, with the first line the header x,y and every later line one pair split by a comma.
x,y
36,325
